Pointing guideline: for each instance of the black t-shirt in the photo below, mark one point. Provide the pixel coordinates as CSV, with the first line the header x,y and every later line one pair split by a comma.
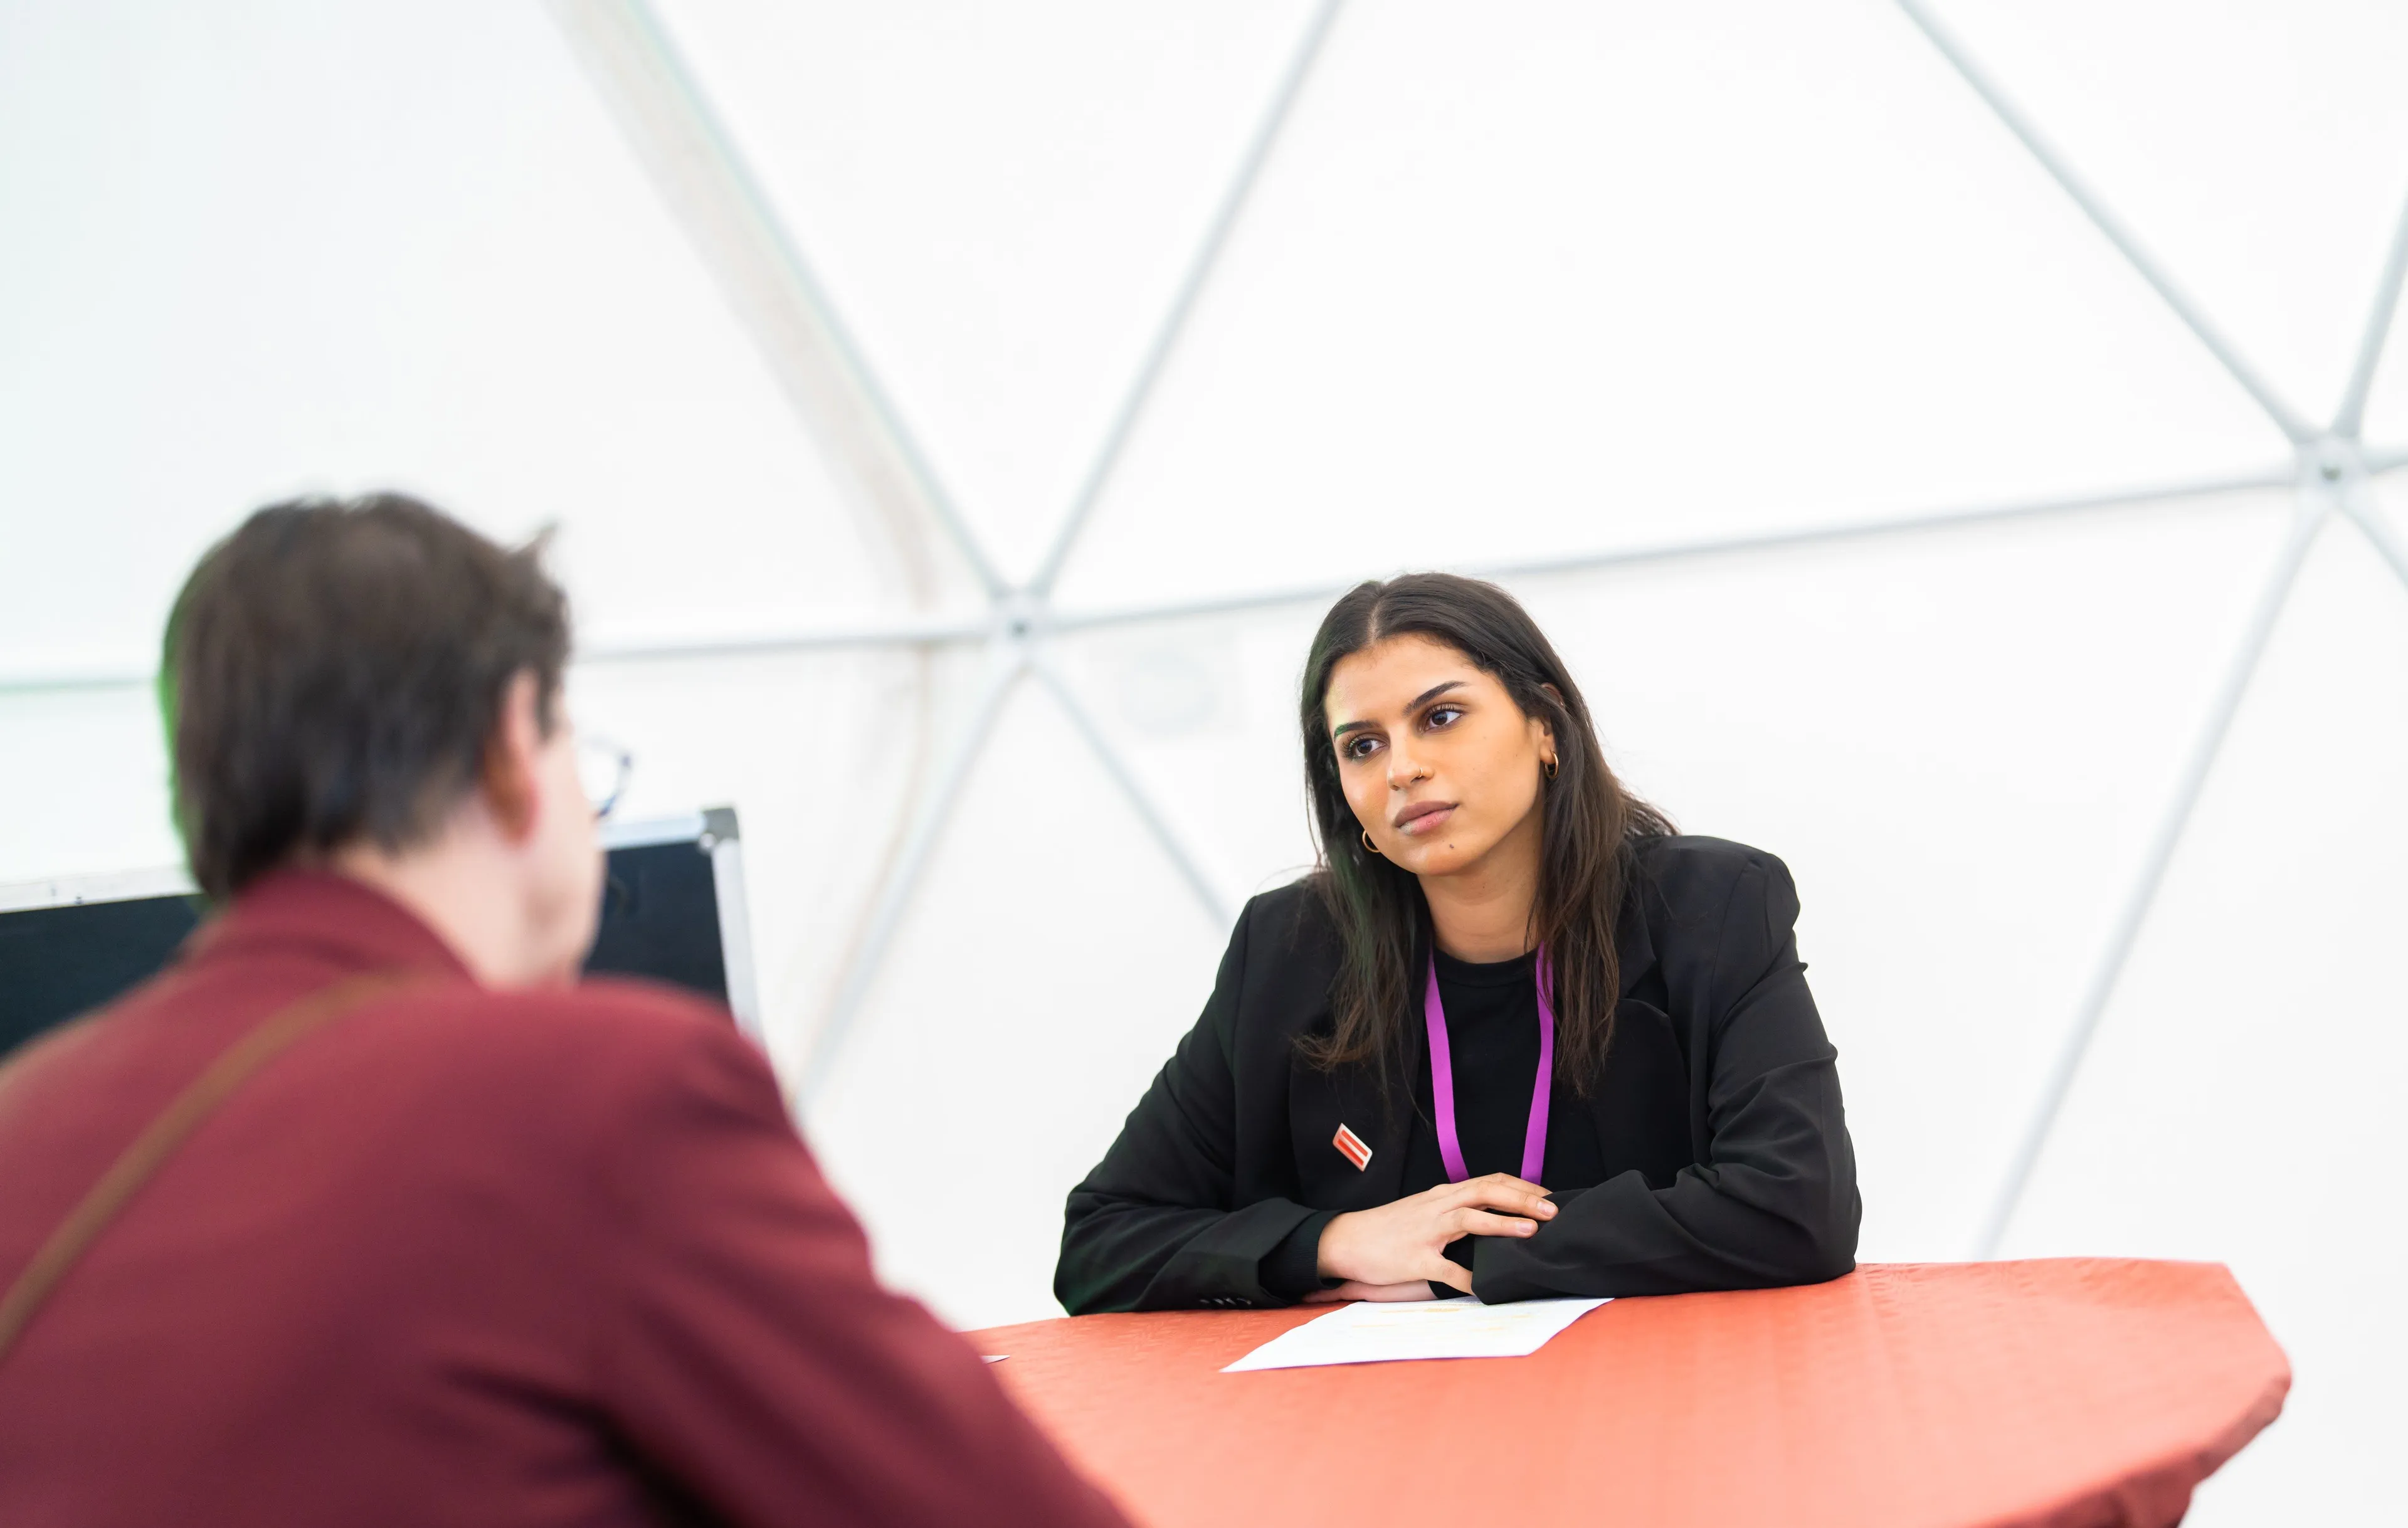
x,y
1492,1035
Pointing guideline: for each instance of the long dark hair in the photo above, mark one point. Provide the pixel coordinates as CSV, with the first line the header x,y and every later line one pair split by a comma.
x,y
1591,824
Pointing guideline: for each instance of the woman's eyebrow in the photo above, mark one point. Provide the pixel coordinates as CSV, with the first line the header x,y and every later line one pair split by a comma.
x,y
1414,704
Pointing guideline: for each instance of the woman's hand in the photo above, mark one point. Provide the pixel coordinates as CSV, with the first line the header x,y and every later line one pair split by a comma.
x,y
1383,1252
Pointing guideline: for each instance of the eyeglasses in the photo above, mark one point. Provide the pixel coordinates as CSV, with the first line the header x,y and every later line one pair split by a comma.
x,y
602,768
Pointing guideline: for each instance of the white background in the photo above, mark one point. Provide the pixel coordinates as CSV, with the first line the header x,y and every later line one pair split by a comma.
x,y
1516,283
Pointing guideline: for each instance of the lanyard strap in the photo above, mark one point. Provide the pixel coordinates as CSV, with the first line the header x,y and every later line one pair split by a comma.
x,y
1534,1139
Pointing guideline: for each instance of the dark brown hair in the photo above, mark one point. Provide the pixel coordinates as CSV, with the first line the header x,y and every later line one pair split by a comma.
x,y
334,671
1586,854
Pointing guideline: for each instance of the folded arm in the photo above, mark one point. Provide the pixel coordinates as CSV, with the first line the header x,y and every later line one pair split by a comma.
x,y
1775,1200
1153,1227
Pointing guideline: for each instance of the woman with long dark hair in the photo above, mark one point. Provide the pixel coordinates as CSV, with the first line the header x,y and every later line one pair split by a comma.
x,y
1514,1035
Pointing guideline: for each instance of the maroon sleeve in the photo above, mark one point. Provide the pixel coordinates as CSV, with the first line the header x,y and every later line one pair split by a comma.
x,y
750,1355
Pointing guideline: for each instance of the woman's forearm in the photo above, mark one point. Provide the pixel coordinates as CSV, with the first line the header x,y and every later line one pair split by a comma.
x,y
1121,1254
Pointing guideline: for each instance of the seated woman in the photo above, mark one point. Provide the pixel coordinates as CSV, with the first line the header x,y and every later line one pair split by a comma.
x,y
1512,1036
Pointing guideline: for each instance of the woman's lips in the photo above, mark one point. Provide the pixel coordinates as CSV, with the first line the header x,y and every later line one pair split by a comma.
x,y
1424,817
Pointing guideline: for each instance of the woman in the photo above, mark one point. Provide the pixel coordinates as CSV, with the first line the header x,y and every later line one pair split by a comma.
x,y
1512,1037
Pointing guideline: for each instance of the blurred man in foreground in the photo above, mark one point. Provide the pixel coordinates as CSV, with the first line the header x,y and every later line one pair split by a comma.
x,y
362,1213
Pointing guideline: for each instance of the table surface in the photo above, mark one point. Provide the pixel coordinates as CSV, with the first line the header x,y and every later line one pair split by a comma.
x,y
2065,1392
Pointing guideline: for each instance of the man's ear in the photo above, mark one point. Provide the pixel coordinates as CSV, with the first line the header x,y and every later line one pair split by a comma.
x,y
508,780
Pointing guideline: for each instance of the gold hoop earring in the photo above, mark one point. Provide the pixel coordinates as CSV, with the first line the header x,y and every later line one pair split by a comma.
x,y
1367,844
1552,766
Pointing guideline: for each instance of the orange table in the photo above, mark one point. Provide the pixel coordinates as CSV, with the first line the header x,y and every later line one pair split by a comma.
x,y
2063,1393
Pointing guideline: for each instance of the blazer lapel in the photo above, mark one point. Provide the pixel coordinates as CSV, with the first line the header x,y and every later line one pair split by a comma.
x,y
1634,945
1322,1102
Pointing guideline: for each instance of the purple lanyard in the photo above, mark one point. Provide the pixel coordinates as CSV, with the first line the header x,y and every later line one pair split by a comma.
x,y
1534,1140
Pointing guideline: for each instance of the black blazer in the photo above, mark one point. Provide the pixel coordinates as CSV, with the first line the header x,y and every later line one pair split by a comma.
x,y
1717,1117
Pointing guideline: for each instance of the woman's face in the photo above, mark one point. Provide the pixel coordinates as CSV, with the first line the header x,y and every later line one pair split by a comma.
x,y
1439,764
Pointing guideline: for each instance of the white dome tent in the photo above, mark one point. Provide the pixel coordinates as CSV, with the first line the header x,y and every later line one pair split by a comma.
x,y
1908,419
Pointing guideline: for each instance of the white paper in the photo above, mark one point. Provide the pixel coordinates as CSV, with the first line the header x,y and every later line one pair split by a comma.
x,y
1384,1332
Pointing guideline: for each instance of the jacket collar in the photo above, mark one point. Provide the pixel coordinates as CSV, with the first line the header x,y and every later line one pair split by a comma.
x,y
1634,942
328,916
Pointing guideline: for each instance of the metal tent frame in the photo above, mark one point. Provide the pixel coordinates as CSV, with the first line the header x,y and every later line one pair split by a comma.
x,y
696,166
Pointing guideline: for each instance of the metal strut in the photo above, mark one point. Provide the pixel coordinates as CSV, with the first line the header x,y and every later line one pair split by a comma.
x,y
2315,508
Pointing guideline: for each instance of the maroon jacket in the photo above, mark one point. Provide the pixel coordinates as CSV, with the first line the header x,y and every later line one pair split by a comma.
x,y
466,1257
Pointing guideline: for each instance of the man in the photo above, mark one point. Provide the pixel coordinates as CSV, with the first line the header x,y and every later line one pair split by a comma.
x,y
435,1236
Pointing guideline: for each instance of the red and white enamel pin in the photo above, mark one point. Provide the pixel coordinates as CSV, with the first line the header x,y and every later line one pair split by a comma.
x,y
1351,1147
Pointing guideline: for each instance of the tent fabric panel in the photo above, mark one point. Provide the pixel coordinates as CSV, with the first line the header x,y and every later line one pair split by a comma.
x,y
2236,1107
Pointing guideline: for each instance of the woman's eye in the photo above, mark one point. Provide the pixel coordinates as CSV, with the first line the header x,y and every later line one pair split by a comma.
x,y
1361,748
1443,716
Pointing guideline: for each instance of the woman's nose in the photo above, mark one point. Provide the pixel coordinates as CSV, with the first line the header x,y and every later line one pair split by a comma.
x,y
1404,769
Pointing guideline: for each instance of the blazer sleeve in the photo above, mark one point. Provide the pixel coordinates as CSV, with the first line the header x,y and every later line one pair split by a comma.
x,y
748,1355
1154,1226
1774,1200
